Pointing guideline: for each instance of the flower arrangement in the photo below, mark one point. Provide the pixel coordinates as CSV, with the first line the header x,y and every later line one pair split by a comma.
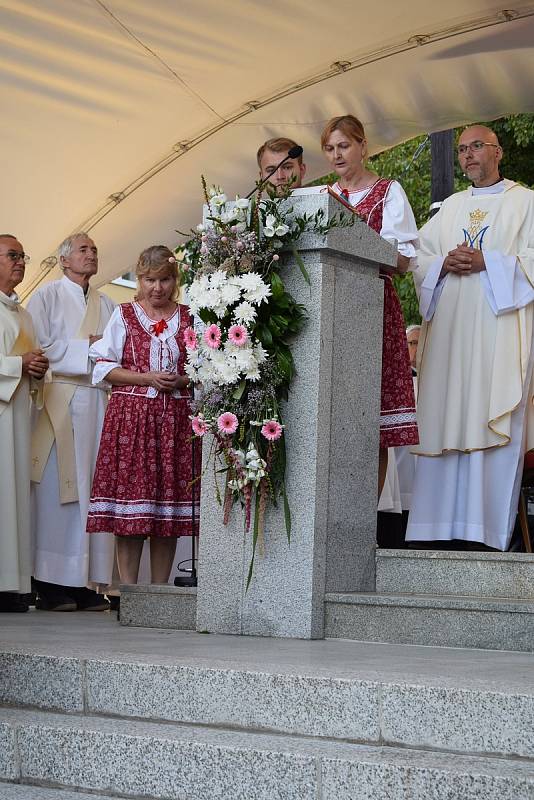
x,y
242,355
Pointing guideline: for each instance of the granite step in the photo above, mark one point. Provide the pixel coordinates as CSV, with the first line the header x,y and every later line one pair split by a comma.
x,y
178,762
159,606
18,791
438,572
450,700
489,623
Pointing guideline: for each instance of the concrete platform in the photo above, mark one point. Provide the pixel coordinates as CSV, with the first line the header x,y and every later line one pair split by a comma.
x,y
89,705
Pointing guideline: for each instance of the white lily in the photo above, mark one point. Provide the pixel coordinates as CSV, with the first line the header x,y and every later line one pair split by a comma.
x,y
242,202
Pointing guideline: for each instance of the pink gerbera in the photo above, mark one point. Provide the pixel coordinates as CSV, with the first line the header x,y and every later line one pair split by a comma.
x,y
272,430
227,422
199,425
190,338
212,336
238,335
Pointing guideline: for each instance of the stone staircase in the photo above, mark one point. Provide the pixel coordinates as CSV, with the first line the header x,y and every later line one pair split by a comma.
x,y
89,708
435,598
450,599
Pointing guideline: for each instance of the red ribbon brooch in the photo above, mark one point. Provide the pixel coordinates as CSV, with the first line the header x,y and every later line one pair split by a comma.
x,y
158,327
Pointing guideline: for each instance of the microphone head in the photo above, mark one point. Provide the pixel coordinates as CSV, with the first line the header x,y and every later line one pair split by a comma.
x,y
295,152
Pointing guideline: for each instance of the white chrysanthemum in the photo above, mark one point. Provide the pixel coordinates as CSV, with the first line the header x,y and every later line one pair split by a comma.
x,y
228,371
244,313
213,298
242,202
257,296
220,310
230,293
250,281
260,354
191,372
244,358
253,374
217,279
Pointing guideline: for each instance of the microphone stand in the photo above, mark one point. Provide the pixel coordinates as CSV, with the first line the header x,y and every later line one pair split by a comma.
x,y
191,578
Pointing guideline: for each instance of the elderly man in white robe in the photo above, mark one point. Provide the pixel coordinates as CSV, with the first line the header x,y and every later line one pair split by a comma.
x,y
22,367
474,405
69,315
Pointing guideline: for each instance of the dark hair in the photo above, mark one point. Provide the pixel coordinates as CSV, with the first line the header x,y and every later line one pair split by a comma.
x,y
279,145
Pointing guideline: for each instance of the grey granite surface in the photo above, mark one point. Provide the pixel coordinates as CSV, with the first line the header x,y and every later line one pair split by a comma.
x,y
332,439
152,606
434,572
160,761
446,621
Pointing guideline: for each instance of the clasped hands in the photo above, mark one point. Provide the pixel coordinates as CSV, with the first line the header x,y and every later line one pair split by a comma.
x,y
463,260
167,381
34,363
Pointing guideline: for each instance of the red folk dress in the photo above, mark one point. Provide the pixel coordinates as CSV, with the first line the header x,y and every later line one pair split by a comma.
x,y
142,482
398,424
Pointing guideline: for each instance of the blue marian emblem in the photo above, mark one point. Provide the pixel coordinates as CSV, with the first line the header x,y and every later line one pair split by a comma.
x,y
474,234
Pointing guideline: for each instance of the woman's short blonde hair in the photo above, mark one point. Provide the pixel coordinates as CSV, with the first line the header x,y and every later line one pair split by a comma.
x,y
347,124
160,260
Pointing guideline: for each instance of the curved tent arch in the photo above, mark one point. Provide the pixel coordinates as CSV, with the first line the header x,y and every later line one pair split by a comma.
x,y
96,91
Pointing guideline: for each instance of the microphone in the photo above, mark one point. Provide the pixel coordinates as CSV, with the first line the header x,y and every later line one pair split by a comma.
x,y
295,152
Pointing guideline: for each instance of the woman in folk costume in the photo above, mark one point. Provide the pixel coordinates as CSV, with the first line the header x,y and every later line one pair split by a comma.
x,y
142,483
383,205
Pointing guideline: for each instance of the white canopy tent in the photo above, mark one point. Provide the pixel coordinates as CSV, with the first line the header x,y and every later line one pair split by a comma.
x,y
112,109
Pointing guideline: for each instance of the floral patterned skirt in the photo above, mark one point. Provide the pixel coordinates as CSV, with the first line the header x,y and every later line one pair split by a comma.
x,y
142,482
398,424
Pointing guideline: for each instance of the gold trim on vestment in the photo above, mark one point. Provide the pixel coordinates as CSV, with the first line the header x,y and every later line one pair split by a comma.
x,y
55,422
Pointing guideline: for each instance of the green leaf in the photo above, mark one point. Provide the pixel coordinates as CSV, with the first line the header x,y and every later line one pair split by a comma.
x,y
300,262
254,539
265,335
277,286
237,394
287,514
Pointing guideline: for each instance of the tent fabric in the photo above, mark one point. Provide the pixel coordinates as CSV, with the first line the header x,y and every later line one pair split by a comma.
x,y
112,109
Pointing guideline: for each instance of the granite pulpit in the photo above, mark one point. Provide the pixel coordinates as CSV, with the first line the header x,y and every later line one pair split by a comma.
x,y
332,436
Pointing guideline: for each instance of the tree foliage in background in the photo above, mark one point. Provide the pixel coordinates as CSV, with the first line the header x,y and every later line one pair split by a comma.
x,y
409,163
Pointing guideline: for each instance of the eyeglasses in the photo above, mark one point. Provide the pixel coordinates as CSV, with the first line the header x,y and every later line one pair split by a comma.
x,y
14,256
474,147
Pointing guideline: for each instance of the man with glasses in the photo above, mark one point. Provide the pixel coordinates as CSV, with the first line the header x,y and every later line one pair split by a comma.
x,y
69,315
474,408
22,367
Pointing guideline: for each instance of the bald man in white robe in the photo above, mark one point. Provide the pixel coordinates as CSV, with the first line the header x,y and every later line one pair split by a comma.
x,y
474,404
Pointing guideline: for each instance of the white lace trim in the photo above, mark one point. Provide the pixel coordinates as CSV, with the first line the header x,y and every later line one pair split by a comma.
x,y
397,419
139,509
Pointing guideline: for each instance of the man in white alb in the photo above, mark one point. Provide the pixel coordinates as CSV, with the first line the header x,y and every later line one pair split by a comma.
x,y
22,368
474,405
69,315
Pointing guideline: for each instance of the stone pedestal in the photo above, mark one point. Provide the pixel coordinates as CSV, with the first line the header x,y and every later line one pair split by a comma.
x,y
332,424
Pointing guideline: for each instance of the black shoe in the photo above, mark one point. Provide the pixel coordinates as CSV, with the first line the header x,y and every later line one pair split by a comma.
x,y
88,600
55,602
114,602
14,603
